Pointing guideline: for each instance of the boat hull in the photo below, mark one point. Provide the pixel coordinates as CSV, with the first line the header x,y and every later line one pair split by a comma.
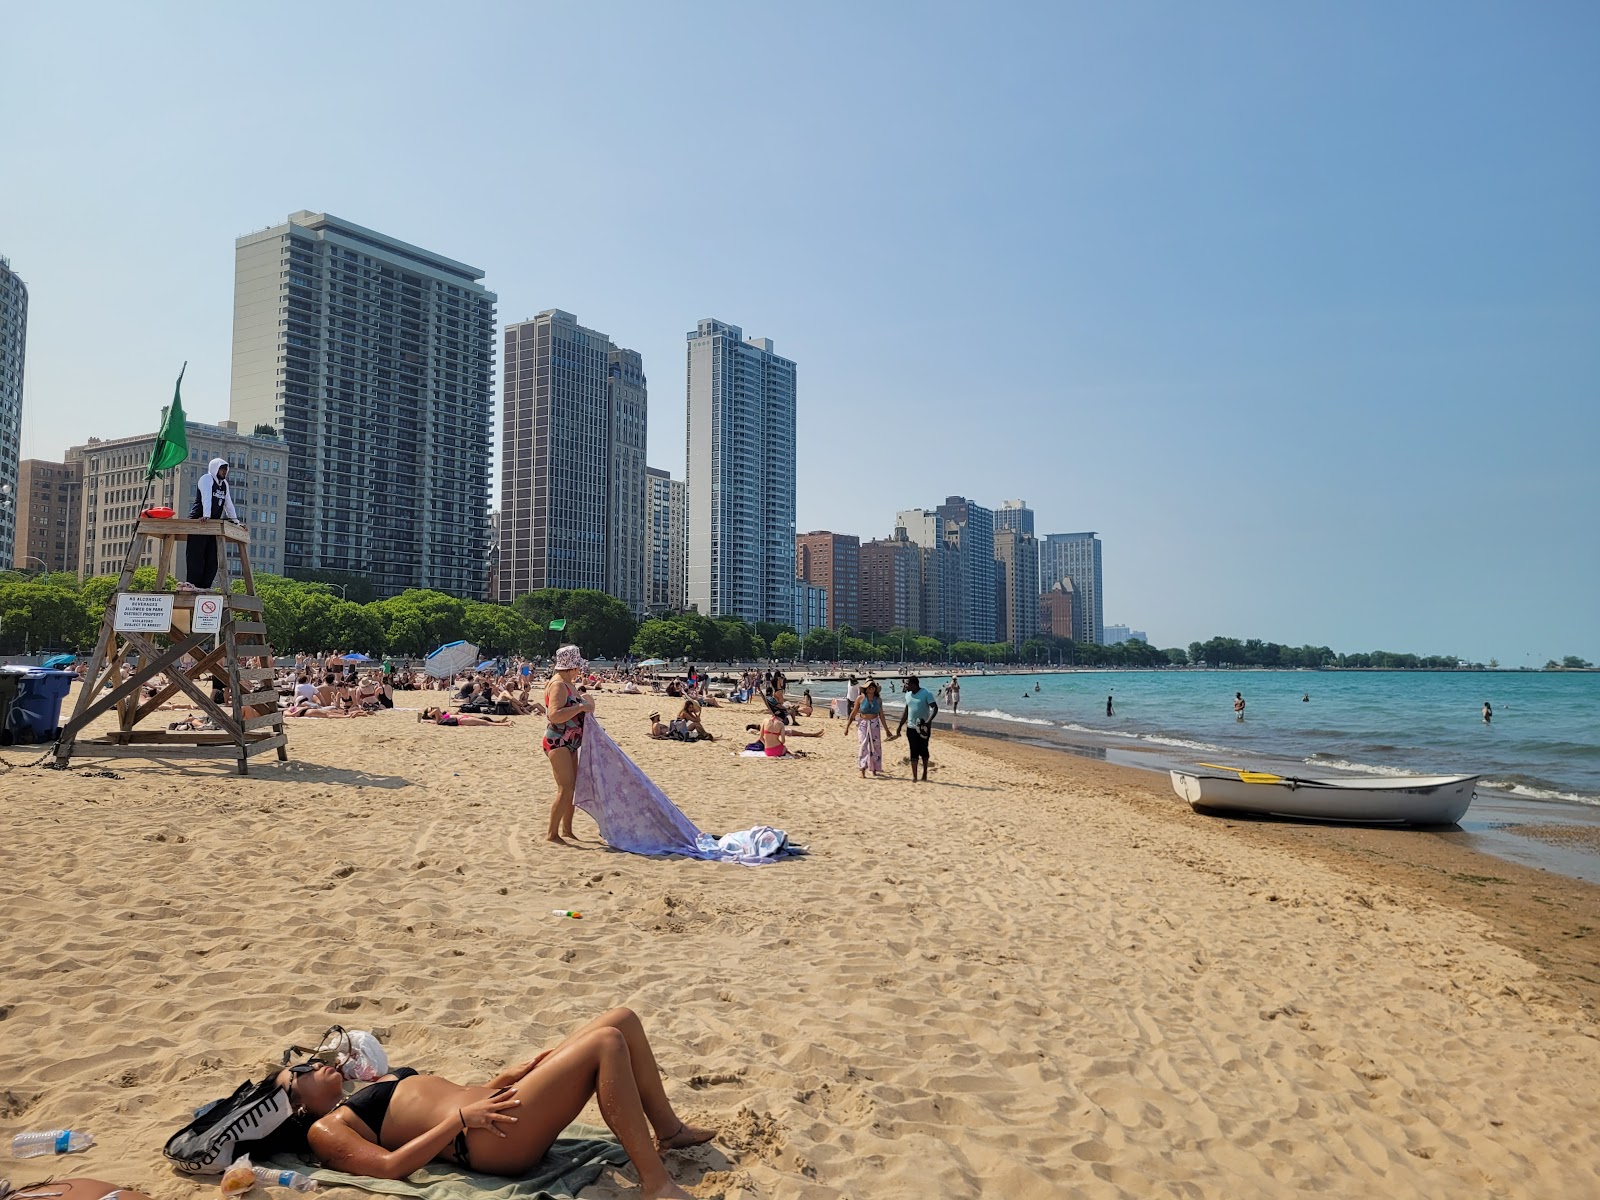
x,y
1414,800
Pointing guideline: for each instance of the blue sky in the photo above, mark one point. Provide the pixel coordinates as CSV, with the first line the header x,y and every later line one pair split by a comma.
x,y
1299,306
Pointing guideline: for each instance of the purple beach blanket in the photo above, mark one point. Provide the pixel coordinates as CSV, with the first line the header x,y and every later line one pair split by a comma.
x,y
632,812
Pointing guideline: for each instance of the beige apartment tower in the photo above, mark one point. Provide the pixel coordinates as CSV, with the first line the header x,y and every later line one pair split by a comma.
x,y
49,501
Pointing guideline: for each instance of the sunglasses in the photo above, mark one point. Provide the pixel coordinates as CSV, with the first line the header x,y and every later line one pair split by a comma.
x,y
332,1050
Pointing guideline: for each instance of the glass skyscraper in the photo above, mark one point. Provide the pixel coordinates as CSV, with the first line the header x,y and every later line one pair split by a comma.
x,y
13,346
740,476
1076,556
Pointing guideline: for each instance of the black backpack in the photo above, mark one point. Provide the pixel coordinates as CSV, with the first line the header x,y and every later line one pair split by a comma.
x,y
222,1129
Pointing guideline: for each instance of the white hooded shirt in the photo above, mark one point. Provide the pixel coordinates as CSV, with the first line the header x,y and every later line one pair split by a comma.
x,y
206,488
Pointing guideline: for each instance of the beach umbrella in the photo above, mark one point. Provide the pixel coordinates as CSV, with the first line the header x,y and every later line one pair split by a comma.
x,y
484,665
653,662
60,661
356,658
450,659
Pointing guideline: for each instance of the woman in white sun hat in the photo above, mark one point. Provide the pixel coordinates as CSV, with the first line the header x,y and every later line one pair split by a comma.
x,y
565,712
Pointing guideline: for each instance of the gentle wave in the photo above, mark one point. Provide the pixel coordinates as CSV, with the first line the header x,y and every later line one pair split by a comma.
x,y
1339,764
1536,789
996,714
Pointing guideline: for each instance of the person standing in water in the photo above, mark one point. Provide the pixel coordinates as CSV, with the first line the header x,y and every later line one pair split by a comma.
x,y
1238,705
1110,711
1488,713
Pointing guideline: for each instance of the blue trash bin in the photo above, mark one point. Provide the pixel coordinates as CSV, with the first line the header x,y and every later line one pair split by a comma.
x,y
10,681
36,710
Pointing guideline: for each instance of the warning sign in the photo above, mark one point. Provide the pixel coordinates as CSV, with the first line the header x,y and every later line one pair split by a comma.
x,y
207,614
143,612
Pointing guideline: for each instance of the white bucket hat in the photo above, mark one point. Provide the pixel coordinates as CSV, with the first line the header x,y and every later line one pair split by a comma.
x,y
569,658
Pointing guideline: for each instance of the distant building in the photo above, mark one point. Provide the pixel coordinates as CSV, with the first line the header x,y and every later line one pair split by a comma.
x,y
740,476
1014,514
891,578
374,359
1076,556
1056,616
810,609
572,470
13,352
1121,633
1016,557
49,501
667,541
937,604
969,531
832,561
112,474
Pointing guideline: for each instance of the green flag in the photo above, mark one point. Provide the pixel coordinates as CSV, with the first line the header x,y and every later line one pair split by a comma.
x,y
172,443
558,624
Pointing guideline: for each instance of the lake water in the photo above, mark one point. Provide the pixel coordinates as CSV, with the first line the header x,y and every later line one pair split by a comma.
x,y
1543,744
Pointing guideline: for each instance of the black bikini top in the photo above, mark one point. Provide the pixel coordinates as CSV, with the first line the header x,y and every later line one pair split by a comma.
x,y
371,1104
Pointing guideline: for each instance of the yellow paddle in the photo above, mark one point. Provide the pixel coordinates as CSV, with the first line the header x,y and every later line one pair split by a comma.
x,y
1244,775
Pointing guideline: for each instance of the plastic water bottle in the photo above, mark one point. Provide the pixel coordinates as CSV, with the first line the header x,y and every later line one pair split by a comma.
x,y
566,912
267,1177
53,1141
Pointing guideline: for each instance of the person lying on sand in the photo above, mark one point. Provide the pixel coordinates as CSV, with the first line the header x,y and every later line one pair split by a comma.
x,y
77,1188
440,716
504,1127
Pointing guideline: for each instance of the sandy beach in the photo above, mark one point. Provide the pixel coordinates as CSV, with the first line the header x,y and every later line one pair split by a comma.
x,y
1036,976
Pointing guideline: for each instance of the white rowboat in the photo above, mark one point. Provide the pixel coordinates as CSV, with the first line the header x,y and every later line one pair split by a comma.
x,y
1365,800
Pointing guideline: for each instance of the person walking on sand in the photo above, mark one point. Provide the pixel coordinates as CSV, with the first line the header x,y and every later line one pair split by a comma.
x,y
565,711
916,719
1488,713
1238,705
867,717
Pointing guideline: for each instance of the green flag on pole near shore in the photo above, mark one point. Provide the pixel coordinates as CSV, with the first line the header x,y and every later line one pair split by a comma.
x,y
172,443
558,624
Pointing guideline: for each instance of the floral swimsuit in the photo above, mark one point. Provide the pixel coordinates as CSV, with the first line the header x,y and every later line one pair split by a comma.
x,y
568,733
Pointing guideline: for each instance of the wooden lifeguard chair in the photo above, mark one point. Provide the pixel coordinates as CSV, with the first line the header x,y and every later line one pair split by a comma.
x,y
186,635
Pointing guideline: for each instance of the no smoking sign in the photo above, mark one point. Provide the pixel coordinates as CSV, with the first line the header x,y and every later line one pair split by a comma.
x,y
207,614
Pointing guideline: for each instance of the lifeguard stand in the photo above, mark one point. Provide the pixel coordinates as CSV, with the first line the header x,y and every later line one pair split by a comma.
x,y
186,635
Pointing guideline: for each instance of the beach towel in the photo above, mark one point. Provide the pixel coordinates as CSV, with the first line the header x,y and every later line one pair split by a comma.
x,y
635,815
632,812
580,1154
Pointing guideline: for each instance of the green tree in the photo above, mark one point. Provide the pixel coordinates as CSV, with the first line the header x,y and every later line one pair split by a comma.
x,y
598,623
355,627
497,629
663,637
42,616
786,646
1573,663
418,621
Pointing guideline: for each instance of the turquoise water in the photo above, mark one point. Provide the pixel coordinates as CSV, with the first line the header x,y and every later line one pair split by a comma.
x,y
1544,742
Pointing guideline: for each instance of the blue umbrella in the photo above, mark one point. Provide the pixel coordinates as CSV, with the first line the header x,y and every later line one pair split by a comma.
x,y
59,662
484,666
356,658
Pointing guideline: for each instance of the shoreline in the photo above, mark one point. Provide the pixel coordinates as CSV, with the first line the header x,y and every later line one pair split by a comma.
x,y
1505,827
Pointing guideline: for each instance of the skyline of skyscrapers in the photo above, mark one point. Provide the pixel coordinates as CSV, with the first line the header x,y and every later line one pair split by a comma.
x,y
573,425
13,357
374,359
739,473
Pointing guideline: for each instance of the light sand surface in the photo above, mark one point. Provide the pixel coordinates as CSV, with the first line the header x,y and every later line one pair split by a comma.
x,y
1029,978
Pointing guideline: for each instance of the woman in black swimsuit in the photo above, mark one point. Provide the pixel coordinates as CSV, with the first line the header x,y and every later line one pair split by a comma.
x,y
404,1120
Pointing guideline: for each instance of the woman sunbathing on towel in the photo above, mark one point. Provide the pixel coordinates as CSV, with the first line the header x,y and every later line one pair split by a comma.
x,y
441,717
504,1127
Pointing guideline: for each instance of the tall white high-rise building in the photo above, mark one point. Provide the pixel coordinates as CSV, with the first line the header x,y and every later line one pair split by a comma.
x,y
374,360
573,416
1076,556
13,347
1014,514
667,542
740,476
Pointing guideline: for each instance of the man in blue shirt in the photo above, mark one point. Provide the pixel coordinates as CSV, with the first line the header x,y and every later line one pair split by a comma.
x,y
917,721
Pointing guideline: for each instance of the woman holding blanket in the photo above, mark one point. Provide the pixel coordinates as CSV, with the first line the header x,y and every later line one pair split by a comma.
x,y
867,717
565,710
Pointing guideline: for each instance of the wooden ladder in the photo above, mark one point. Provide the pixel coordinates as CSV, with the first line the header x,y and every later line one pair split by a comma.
x,y
247,722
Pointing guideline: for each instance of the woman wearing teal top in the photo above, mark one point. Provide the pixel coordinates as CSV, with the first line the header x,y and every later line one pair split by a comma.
x,y
867,717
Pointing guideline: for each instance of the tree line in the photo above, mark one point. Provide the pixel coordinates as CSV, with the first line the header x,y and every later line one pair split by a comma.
x,y
57,611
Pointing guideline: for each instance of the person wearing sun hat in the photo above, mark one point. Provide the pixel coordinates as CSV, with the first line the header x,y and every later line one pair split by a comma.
x,y
565,710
